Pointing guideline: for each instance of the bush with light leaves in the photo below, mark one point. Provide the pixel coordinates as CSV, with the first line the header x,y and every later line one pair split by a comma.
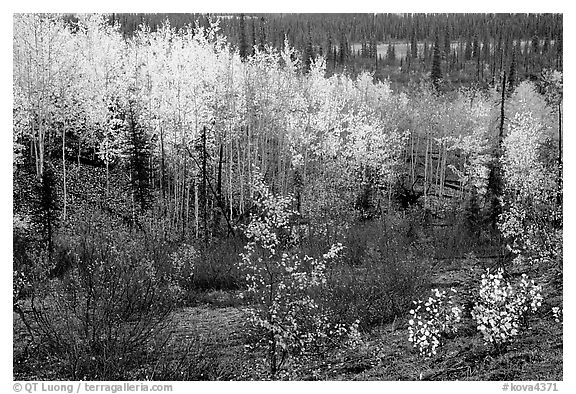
x,y
284,286
504,308
558,314
432,320
531,220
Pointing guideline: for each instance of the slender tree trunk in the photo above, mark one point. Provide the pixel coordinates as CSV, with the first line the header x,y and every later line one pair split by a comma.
x,y
230,160
437,177
412,162
426,171
443,170
240,179
219,183
107,153
64,212
196,222
560,180
162,163
204,187
187,208
133,200
502,102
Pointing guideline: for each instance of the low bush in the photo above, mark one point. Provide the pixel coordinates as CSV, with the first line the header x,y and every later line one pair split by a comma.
x,y
558,314
503,308
432,320
380,273
102,315
284,286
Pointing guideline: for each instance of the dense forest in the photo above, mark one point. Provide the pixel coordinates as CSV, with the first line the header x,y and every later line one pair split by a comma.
x,y
269,196
475,48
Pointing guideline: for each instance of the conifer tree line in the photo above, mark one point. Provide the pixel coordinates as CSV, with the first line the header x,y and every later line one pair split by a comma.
x,y
165,126
480,45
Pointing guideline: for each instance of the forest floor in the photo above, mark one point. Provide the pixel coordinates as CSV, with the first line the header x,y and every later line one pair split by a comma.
x,y
210,342
386,353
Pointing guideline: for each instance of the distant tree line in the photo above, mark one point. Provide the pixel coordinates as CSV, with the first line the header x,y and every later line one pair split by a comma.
x,y
479,46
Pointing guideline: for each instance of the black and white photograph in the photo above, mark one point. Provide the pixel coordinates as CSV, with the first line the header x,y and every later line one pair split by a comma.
x,y
289,196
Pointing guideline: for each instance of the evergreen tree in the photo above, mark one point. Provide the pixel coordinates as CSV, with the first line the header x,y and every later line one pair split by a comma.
x,y
262,43
486,50
512,72
46,208
535,46
546,46
447,49
242,45
535,54
413,45
334,56
391,54
343,49
253,46
468,51
476,48
138,151
329,53
308,53
559,52
436,73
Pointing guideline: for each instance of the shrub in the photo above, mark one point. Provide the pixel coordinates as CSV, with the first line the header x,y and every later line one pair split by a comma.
x,y
531,220
504,307
432,320
284,286
558,314
102,315
381,272
217,267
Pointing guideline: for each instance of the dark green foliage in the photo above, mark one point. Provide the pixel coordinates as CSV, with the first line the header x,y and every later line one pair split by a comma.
x,y
468,51
344,48
262,36
559,52
382,274
495,188
253,37
535,46
512,72
436,72
308,55
243,43
46,208
413,45
138,152
329,53
101,316
391,54
405,195
472,215
476,48
217,270
447,42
